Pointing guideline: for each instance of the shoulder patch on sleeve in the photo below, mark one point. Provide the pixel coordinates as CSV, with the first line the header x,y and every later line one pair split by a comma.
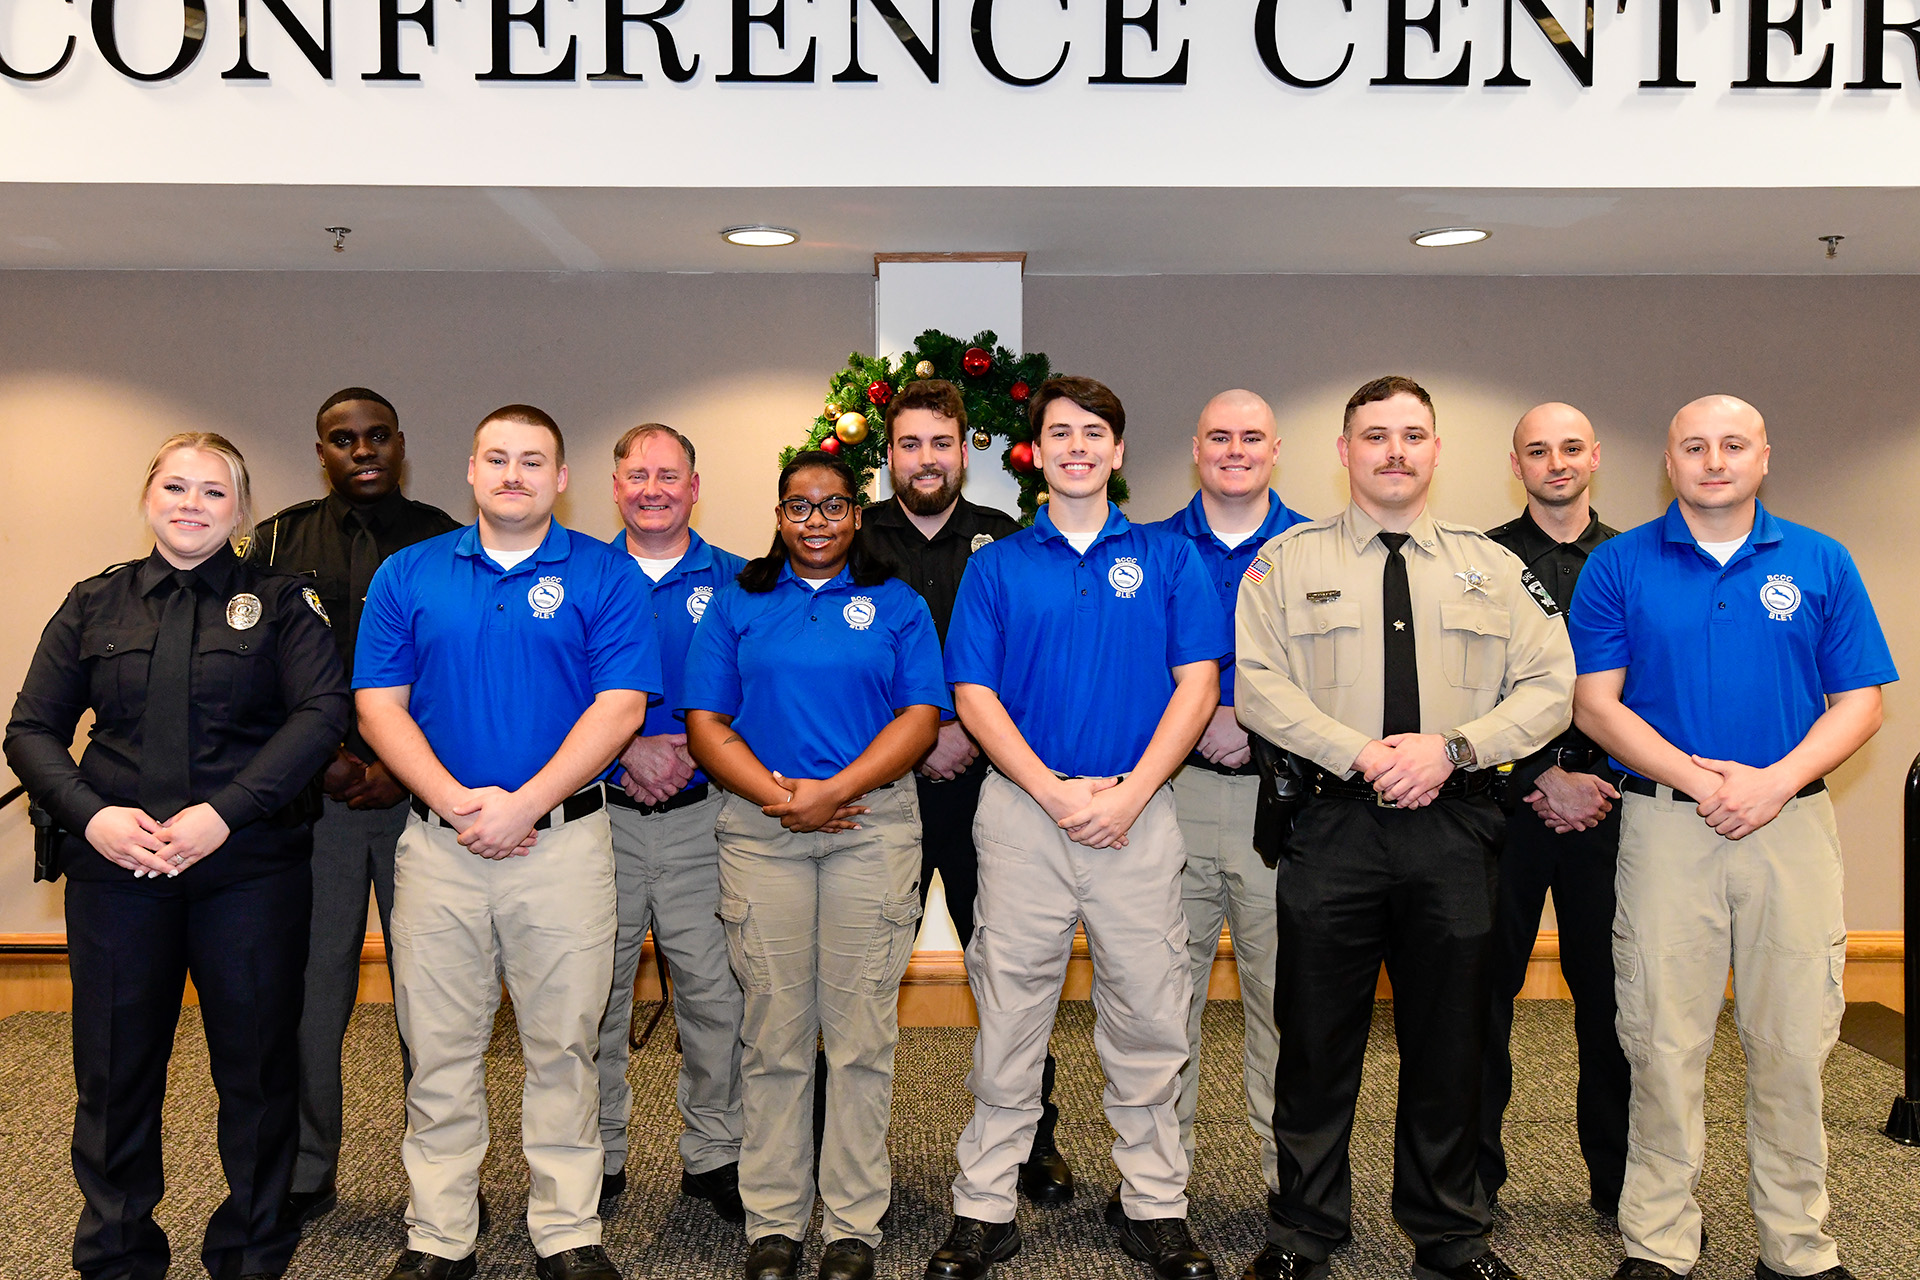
x,y
312,598
1258,569
1541,596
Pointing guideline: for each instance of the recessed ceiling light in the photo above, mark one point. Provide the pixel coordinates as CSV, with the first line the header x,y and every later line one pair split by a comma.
x,y
760,236
1441,237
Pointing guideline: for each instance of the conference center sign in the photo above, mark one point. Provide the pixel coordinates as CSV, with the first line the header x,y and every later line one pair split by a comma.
x,y
987,92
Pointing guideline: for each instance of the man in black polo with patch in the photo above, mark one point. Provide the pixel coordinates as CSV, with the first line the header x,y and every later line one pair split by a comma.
x,y
927,532
1564,832
339,540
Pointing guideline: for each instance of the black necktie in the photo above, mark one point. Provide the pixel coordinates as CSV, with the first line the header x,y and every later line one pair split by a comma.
x,y
363,557
1401,706
166,785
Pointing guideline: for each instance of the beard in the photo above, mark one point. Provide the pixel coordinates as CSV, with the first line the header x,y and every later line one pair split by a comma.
x,y
923,502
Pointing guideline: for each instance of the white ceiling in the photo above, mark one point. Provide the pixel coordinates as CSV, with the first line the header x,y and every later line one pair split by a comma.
x,y
1114,231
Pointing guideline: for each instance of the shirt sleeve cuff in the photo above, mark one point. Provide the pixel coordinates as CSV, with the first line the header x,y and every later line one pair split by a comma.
x,y
235,807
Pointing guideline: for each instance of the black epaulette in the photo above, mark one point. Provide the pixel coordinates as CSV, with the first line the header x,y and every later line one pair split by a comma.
x,y
112,569
273,522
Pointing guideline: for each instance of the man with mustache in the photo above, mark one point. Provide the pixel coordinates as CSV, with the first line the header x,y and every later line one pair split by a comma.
x,y
338,541
927,532
1402,659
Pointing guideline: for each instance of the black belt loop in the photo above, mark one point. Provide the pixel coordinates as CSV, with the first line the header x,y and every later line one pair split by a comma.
x,y
589,799
691,796
1647,787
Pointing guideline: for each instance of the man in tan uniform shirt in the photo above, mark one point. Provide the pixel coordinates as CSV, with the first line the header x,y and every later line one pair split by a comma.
x,y
1402,659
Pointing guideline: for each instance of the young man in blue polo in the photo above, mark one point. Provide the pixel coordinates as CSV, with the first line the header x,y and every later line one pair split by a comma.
x,y
1729,661
500,669
1084,655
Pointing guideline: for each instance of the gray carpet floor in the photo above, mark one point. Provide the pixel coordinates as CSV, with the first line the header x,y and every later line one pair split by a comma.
x,y
1544,1226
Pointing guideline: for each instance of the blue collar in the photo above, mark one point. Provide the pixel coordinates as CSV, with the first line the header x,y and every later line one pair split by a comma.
x,y
1766,530
555,546
1115,526
787,575
698,555
1193,521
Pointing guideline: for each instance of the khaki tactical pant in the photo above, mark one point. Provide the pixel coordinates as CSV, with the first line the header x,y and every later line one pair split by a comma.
x,y
1690,902
667,867
1226,883
1035,886
820,927
545,921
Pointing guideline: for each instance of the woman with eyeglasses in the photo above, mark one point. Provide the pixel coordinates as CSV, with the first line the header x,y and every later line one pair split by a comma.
x,y
813,685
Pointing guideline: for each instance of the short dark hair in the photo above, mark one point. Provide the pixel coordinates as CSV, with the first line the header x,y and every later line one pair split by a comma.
x,y
1385,389
348,394
624,445
527,415
936,394
1092,396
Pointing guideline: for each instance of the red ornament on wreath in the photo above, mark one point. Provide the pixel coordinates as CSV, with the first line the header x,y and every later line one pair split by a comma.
x,y
1020,391
975,362
878,392
829,444
1020,457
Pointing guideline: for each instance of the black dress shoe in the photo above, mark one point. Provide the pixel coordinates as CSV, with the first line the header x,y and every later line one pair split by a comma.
x,y
1275,1263
588,1262
415,1265
773,1258
612,1187
719,1188
847,1259
1164,1243
486,1215
1045,1177
1761,1271
303,1207
1486,1266
1643,1269
971,1249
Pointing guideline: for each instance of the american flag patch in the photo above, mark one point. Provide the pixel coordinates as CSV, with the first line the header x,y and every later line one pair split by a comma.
x,y
1258,569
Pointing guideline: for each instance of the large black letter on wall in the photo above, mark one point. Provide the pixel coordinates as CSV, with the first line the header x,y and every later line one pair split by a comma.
x,y
1873,47
504,19
990,58
1399,27
744,21
1149,22
618,20
1266,41
66,56
1669,46
928,60
318,52
192,36
390,19
1579,61
1760,27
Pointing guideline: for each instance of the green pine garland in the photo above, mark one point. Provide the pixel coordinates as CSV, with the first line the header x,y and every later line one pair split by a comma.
x,y
992,405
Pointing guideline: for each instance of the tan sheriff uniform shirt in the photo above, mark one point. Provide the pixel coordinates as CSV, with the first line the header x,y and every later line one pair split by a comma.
x,y
1493,655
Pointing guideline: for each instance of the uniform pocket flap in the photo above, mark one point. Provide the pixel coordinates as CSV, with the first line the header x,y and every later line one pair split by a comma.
x,y
901,911
217,640
1481,619
1318,619
109,642
733,910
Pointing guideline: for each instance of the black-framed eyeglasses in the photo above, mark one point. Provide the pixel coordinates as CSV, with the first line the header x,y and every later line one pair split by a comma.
x,y
799,510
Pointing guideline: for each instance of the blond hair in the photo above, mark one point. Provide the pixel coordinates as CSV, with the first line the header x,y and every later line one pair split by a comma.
x,y
214,443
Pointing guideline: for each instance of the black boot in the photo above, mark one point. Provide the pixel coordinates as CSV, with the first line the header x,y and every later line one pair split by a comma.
x,y
1045,1178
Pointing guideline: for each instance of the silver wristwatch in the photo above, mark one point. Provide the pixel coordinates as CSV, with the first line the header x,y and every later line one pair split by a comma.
x,y
1459,751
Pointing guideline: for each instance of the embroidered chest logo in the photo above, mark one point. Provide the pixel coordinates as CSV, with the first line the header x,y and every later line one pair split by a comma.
x,y
1125,577
545,597
859,613
243,611
979,540
698,601
1779,597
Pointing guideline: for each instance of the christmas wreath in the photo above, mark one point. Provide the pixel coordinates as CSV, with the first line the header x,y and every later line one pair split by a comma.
x,y
995,384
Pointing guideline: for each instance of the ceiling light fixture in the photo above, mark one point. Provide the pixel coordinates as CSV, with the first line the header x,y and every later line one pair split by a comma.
x,y
1442,237
1833,245
339,235
760,236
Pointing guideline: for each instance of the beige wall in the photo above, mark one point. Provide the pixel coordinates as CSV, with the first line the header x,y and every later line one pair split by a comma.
x,y
95,367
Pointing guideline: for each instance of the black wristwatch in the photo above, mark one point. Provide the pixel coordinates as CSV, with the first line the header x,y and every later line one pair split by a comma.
x,y
1459,751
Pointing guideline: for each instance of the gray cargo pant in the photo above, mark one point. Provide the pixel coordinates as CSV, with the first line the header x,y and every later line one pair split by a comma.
x,y
1689,902
1226,883
820,927
667,867
1036,884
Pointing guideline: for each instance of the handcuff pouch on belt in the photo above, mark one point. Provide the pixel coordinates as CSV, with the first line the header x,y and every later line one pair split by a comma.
x,y
47,841
1283,792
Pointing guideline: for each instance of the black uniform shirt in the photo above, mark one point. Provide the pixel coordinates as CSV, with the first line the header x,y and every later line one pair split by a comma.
x,y
933,566
316,539
1556,566
268,701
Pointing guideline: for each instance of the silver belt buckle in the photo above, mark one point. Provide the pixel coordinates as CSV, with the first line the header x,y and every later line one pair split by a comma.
x,y
1380,801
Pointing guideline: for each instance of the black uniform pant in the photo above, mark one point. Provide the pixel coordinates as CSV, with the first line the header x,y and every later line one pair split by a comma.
x,y
1578,867
946,842
1359,885
131,944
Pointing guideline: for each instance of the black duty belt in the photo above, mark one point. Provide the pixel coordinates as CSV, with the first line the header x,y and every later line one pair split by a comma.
x,y
589,799
619,799
1648,787
1575,759
1197,761
1459,786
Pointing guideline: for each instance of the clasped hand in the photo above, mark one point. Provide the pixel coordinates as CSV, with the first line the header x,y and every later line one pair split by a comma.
x,y
494,823
1407,768
1743,799
813,804
657,767
1096,812
129,838
1571,801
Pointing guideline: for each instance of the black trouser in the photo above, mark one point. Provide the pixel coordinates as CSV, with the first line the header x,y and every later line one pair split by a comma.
x,y
946,842
131,944
1578,867
1358,885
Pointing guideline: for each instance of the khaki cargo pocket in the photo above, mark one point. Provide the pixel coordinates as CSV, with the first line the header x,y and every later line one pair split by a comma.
x,y
891,945
746,952
1834,1006
1631,1015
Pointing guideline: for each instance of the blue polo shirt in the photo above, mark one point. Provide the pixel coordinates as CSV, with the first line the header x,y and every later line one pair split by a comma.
x,y
680,600
1080,648
502,663
812,677
1730,663
1226,565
